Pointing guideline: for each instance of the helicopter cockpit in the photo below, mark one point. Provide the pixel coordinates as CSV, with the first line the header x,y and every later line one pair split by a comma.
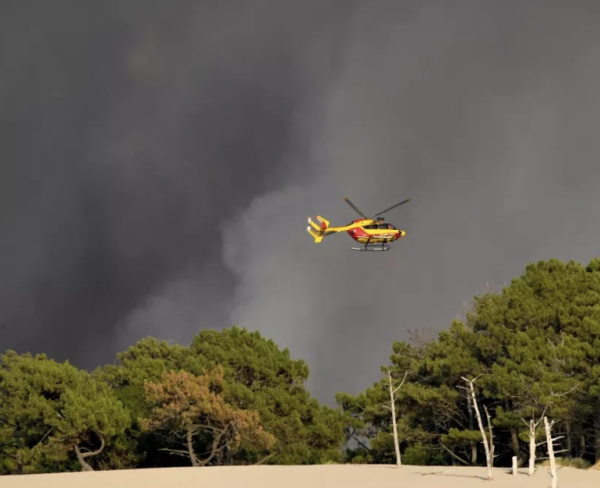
x,y
380,225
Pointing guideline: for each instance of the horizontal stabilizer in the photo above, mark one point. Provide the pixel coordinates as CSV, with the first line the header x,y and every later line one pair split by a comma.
x,y
318,236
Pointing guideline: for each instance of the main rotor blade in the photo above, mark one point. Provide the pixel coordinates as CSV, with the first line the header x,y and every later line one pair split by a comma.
x,y
393,206
355,208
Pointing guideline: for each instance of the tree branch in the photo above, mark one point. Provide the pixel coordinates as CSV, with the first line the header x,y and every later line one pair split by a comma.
x,y
81,456
403,380
96,452
454,455
269,456
215,445
177,452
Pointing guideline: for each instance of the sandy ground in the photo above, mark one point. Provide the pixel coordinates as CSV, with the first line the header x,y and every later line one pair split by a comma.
x,y
346,476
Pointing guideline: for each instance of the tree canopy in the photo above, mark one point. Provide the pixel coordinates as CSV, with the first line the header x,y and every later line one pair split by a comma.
x,y
235,397
50,411
534,345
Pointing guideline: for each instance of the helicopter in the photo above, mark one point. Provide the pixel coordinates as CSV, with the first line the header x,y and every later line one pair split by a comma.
x,y
374,233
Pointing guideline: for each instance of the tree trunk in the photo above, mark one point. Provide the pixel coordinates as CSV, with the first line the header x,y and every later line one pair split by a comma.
x,y
531,447
488,454
18,457
263,460
215,445
471,427
19,461
514,437
597,436
395,427
549,442
569,440
491,439
190,447
228,455
81,456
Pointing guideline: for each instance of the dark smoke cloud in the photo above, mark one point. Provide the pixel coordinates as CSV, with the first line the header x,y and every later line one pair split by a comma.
x,y
129,130
158,163
486,114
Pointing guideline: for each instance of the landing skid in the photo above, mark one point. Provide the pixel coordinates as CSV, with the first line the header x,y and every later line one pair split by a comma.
x,y
372,247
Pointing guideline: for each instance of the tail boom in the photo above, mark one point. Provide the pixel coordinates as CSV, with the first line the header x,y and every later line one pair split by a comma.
x,y
319,230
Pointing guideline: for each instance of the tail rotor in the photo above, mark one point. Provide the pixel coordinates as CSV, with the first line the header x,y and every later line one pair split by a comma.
x,y
317,230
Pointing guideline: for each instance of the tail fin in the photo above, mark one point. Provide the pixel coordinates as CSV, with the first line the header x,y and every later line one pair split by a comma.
x,y
317,231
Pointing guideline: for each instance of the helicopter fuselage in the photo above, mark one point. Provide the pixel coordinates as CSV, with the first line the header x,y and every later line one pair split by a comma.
x,y
364,231
373,232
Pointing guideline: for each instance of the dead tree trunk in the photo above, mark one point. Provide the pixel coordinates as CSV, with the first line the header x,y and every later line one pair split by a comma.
x,y
550,443
533,425
486,446
393,409
532,446
394,425
471,427
491,439
82,456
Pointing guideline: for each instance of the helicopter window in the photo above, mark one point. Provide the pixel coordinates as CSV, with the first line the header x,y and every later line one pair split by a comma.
x,y
383,226
371,226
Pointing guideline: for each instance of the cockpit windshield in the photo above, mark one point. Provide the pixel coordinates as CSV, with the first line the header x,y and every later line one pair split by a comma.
x,y
380,225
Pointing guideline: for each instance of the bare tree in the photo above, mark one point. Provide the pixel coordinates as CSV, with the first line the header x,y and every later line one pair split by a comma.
x,y
533,426
393,398
491,439
532,445
550,442
471,426
487,444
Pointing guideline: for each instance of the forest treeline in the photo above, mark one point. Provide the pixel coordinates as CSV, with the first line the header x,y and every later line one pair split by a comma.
x,y
235,397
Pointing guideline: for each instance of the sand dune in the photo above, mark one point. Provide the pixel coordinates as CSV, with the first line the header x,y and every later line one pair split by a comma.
x,y
347,476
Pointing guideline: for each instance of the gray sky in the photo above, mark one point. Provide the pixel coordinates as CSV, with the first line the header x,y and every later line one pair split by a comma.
x,y
158,163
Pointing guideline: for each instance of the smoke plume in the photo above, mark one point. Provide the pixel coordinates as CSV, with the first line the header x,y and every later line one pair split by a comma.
x,y
485,114
159,163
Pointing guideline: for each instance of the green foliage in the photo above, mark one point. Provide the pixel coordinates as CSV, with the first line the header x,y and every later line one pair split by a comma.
x,y
146,361
259,376
418,454
535,347
48,408
577,463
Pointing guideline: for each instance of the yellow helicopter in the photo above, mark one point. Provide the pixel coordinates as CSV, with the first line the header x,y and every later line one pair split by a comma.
x,y
374,233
